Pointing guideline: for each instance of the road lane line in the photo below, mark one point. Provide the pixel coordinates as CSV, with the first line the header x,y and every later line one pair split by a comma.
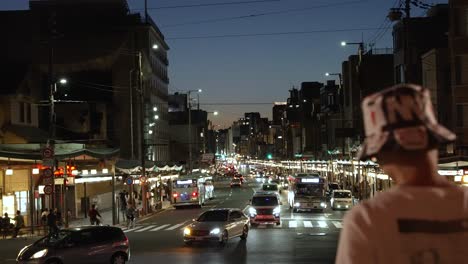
x,y
322,224
337,224
308,224
292,224
133,229
146,228
160,227
175,226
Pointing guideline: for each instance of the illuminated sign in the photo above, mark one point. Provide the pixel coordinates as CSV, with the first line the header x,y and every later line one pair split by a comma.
x,y
311,180
184,182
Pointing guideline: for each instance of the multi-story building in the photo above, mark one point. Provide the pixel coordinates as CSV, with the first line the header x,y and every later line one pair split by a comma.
x,y
414,36
362,75
458,54
115,97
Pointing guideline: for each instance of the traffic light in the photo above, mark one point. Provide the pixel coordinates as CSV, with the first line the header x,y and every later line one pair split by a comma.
x,y
269,156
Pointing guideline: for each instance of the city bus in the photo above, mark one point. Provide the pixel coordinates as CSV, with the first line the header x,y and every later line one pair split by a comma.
x,y
307,192
189,190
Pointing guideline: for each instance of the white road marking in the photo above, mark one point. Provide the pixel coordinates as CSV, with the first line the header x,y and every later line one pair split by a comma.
x,y
245,208
292,224
160,227
146,228
175,226
322,224
337,224
308,224
133,229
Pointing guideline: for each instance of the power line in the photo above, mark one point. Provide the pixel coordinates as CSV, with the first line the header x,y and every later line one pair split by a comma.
x,y
210,4
273,33
263,14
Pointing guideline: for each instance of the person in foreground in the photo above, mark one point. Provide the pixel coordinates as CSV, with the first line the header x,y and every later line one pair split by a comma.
x,y
424,218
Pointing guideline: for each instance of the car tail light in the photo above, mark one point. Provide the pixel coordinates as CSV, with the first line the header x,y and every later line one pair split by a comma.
x,y
121,243
194,194
175,195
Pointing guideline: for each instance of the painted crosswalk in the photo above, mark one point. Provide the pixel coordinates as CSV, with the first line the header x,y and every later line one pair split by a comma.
x,y
285,224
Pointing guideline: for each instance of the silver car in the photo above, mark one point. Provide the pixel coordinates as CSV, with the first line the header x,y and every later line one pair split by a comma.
x,y
218,225
87,244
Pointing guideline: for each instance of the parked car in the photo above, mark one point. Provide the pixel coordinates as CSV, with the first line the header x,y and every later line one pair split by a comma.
x,y
218,225
78,245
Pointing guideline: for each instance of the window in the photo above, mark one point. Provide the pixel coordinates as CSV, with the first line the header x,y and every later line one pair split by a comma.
x,y
462,22
462,116
21,112
28,113
22,201
235,215
461,70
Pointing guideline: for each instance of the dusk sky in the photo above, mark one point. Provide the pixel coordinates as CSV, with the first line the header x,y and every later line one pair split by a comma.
x,y
259,69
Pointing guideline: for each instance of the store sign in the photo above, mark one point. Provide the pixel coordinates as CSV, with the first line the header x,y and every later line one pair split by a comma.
x,y
450,172
59,181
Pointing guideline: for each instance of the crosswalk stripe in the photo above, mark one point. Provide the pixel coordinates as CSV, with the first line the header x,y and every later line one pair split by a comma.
x,y
146,228
308,224
322,224
292,224
174,227
132,229
160,227
337,224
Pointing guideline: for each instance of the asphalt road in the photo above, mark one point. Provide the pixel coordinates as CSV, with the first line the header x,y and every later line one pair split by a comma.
x,y
307,237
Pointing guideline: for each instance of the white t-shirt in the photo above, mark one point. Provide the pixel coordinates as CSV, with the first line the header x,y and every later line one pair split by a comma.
x,y
408,224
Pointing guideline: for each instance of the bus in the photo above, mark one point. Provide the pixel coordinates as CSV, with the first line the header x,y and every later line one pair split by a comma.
x,y
307,192
189,190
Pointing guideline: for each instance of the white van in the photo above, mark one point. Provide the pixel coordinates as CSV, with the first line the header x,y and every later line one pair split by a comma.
x,y
341,199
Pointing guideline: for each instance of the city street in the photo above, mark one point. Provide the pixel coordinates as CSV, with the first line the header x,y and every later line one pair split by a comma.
x,y
306,237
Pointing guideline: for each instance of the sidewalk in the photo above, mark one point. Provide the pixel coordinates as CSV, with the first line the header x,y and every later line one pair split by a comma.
x,y
106,216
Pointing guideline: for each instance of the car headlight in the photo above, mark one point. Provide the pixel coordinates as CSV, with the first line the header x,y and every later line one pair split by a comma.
x,y
323,204
39,254
215,231
252,211
339,206
277,210
187,231
297,204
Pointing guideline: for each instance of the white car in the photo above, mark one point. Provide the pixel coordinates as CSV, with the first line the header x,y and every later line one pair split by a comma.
x,y
341,199
218,225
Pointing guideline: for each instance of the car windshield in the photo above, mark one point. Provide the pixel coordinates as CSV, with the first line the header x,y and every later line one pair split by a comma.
x,y
265,201
270,187
235,180
185,183
213,216
52,240
334,186
310,189
342,194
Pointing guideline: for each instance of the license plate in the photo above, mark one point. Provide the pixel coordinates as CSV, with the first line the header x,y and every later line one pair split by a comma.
x,y
199,238
264,217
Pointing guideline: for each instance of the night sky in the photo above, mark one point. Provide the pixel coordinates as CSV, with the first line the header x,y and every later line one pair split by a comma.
x,y
258,69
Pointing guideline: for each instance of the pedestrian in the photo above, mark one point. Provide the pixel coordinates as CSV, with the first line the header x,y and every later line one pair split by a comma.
x,y
52,222
93,215
58,216
19,223
5,225
131,215
423,219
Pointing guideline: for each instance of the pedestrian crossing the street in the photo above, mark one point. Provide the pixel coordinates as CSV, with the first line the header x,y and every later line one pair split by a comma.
x,y
285,224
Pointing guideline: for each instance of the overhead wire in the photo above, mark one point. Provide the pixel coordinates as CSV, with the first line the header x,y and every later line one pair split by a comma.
x,y
293,10
210,4
272,33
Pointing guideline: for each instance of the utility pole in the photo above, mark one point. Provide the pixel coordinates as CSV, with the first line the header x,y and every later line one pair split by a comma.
x,y
190,131
408,8
52,88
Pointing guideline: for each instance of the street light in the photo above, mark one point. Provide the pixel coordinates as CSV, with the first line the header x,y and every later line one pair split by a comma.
x,y
215,113
63,81
155,109
155,46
